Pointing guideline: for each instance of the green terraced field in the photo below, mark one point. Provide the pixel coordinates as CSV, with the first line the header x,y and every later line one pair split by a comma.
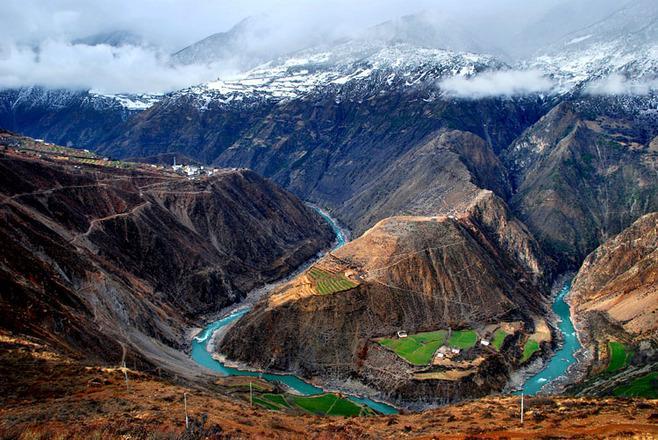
x,y
463,339
277,399
325,404
417,349
328,404
619,356
498,339
531,347
646,386
328,283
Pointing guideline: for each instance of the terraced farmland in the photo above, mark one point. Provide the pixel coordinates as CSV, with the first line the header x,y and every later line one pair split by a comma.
x,y
328,283
531,346
324,404
417,349
646,386
328,404
463,339
498,339
619,356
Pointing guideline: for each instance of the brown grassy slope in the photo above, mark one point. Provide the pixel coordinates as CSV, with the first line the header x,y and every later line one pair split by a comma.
x,y
620,279
46,395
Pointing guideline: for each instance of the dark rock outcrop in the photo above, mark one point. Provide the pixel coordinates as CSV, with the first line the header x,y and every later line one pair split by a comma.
x,y
582,174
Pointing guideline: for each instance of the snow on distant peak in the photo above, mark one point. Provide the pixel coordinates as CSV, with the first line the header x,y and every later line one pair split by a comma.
x,y
133,102
572,68
342,67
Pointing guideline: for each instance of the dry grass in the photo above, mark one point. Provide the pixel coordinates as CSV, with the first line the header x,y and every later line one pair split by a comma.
x,y
44,395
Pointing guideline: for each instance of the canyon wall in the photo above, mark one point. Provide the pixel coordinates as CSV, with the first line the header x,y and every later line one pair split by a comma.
x,y
98,257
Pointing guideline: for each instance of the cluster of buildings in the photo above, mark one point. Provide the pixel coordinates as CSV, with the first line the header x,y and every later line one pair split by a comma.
x,y
447,352
192,170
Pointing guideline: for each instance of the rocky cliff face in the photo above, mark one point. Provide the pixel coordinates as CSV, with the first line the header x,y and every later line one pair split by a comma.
x,y
614,300
412,273
98,256
440,175
618,284
582,174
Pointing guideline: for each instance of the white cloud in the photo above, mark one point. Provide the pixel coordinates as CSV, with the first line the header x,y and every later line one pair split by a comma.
x,y
499,83
617,84
104,68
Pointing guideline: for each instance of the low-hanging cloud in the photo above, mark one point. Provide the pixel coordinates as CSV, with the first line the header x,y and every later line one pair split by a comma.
x,y
508,83
618,84
103,68
38,38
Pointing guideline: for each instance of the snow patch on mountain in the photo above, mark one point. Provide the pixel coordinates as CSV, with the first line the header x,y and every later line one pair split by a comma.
x,y
356,67
132,102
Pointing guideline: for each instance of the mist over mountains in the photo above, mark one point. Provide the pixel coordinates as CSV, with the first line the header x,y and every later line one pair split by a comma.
x,y
132,57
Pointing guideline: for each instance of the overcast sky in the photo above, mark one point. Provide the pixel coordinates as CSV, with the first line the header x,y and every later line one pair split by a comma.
x,y
174,24
36,36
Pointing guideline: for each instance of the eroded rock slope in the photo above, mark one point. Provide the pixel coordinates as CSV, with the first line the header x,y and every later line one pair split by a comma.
x,y
99,256
582,174
615,294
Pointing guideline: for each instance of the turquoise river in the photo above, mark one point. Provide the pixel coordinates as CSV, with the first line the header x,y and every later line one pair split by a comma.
x,y
558,364
202,356
556,367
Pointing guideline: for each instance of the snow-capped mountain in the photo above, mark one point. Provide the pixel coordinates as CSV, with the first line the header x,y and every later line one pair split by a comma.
x,y
428,29
113,38
623,43
413,53
417,50
252,41
223,47
63,116
351,70
129,101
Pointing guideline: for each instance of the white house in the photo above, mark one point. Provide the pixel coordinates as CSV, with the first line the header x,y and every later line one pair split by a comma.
x,y
191,170
402,334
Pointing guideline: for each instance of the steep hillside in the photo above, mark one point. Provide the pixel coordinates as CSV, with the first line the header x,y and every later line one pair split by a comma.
x,y
615,294
100,255
582,174
419,274
324,123
439,175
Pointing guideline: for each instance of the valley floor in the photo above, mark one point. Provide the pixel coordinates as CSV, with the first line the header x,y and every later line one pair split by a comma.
x,y
47,395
